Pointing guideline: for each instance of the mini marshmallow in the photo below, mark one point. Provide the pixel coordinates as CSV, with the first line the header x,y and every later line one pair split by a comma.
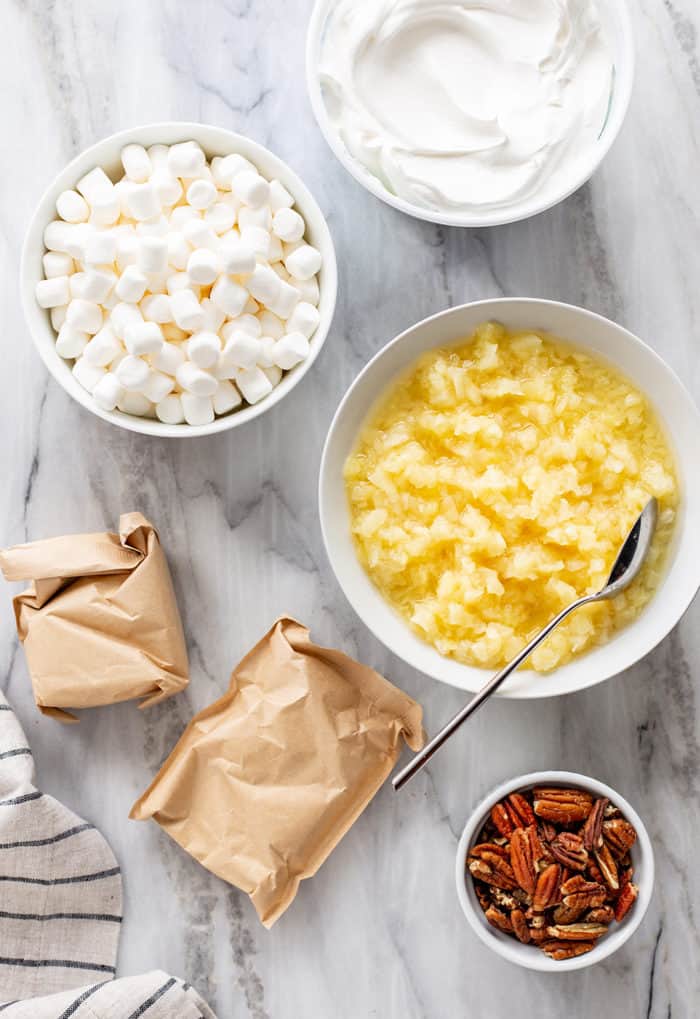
x,y
251,188
158,282
220,217
153,254
178,281
226,397
84,315
143,338
93,285
170,411
253,384
270,325
201,194
132,373
137,163
214,317
156,308
131,285
103,347
105,211
304,262
158,155
181,215
101,248
261,217
53,292
169,358
285,302
309,290
108,391
229,296
71,342
124,315
203,266
274,374
58,316
241,349
128,247
95,185
186,159
157,227
167,188
187,311
178,249
158,386
68,238
135,403
258,239
142,201
237,257
264,284
198,410
225,168
290,350
196,380
199,235
203,349
280,198
247,322
266,358
72,207
88,375
304,319
57,263
288,225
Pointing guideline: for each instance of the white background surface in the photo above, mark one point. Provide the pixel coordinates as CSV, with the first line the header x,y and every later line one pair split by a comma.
x,y
378,932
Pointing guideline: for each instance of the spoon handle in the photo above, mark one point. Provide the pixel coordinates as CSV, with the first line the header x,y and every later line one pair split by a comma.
x,y
424,755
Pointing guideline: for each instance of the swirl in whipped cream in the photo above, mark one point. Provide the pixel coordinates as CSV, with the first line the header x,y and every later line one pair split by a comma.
x,y
467,104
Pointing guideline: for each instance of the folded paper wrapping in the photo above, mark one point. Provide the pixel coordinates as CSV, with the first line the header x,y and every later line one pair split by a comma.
x,y
265,782
99,622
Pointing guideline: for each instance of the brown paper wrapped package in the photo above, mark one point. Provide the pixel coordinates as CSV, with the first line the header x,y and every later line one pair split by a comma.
x,y
99,622
266,781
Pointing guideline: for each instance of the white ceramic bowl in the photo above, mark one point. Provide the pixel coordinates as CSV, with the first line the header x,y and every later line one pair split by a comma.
x,y
600,337
616,21
528,955
215,141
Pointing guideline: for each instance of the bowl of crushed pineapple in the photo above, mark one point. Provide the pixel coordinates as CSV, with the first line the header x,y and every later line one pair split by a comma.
x,y
482,472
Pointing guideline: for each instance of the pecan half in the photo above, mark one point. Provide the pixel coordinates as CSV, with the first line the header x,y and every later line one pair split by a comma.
x,y
619,835
501,820
519,925
562,806
487,865
547,888
608,867
628,897
592,831
601,914
568,849
560,950
519,810
524,853
577,931
499,920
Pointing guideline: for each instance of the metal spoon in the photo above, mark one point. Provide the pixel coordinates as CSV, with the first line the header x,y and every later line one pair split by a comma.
x,y
627,566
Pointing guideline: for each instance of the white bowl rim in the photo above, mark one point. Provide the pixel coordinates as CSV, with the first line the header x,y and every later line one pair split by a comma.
x,y
527,955
498,217
528,691
181,130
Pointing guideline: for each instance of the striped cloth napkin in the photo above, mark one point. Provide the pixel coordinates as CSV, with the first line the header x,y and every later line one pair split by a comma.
x,y
61,910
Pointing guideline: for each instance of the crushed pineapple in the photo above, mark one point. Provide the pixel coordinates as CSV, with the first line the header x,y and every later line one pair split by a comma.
x,y
495,483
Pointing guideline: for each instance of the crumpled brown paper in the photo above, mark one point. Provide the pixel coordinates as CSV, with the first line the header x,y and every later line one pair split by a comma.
x,y
99,622
266,781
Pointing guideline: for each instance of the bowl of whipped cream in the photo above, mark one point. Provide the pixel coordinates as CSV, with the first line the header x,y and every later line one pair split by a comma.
x,y
470,112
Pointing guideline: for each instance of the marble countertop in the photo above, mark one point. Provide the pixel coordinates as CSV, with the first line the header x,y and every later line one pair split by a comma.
x,y
378,932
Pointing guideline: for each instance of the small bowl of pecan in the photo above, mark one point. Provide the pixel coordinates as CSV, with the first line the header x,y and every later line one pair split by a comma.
x,y
554,871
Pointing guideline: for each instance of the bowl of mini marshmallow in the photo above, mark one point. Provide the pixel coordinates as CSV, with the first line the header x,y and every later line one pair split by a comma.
x,y
178,279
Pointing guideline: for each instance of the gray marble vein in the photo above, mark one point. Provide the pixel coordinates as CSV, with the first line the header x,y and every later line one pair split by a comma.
x,y
378,932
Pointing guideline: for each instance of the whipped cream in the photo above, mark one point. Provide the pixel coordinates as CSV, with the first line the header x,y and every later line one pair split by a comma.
x,y
458,105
